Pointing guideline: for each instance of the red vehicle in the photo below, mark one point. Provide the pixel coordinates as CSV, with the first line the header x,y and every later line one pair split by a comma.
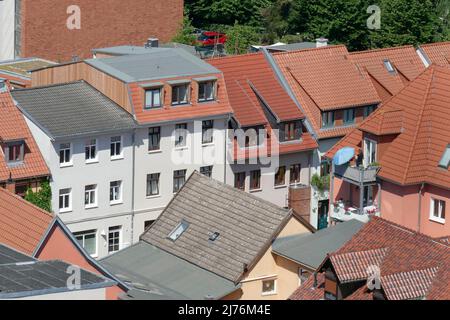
x,y
211,38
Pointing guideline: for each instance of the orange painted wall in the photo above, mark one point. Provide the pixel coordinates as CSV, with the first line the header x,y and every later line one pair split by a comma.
x,y
58,246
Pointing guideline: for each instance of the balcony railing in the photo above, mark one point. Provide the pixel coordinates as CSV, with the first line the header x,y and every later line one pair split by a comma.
x,y
341,213
357,175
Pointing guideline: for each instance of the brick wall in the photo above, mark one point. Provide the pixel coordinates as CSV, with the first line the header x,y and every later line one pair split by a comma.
x,y
103,23
300,200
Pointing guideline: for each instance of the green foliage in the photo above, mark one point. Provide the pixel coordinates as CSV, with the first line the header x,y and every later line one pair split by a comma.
x,y
321,183
240,38
185,32
42,198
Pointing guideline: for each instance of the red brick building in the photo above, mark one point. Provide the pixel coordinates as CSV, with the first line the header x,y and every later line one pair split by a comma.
x,y
42,25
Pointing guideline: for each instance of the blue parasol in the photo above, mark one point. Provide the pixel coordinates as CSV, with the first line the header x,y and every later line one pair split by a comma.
x,y
343,156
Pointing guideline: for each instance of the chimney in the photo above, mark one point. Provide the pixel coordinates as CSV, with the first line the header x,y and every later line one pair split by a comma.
x,y
152,43
10,184
299,200
321,42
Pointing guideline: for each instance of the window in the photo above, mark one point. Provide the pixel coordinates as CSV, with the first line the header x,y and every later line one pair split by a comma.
x,y
115,192
148,224
325,168
239,180
180,135
65,201
388,65
153,184
280,176
368,111
368,196
154,138
206,171
180,94
116,147
445,160
179,178
14,152
255,180
303,275
153,98
206,91
65,154
370,152
290,131
295,173
349,116
269,287
328,119
88,240
178,231
90,196
437,210
91,150
207,131
114,236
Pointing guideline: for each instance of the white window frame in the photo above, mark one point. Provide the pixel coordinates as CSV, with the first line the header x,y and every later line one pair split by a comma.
x,y
84,234
269,293
181,130
86,145
120,155
95,191
66,163
368,152
120,186
69,208
115,229
432,207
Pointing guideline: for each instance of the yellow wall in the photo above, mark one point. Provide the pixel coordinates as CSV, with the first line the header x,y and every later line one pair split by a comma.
x,y
271,266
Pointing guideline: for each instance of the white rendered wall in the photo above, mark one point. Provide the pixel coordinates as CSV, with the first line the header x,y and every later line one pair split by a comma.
x,y
7,21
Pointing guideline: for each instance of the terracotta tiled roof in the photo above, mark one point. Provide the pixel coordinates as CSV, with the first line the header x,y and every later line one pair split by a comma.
x,y
437,53
249,79
22,225
352,139
13,127
404,60
307,291
412,265
326,79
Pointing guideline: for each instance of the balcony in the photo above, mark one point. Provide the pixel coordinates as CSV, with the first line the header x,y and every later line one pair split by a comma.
x,y
357,175
341,213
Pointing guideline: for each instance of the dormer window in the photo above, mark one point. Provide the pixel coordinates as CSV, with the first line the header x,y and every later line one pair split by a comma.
x,y
180,94
328,119
153,98
14,152
291,131
206,91
389,66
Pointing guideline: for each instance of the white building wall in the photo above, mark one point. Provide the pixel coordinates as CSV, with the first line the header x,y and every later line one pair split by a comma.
x,y
7,25
168,159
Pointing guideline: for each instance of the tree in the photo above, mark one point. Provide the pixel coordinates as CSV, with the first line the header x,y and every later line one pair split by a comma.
x,y
185,32
240,38
41,198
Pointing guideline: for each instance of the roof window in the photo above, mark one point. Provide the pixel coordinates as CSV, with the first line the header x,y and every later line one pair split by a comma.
x,y
178,231
445,161
389,66
214,236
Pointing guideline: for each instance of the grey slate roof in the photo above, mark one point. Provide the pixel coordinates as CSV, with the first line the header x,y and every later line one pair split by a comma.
x,y
157,275
72,109
8,255
157,64
311,249
246,224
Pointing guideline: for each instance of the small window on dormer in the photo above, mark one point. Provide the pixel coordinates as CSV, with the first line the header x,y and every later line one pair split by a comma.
x,y
153,98
180,94
14,152
389,66
206,91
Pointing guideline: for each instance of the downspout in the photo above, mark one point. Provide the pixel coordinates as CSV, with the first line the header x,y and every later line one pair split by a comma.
x,y
225,147
133,172
419,210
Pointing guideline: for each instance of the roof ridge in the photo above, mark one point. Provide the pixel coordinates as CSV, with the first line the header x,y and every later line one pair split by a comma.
x,y
381,49
50,85
236,56
329,47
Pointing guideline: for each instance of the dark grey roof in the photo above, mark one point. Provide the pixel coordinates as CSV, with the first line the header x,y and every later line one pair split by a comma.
x,y
43,277
72,109
311,249
157,275
8,255
246,225
156,64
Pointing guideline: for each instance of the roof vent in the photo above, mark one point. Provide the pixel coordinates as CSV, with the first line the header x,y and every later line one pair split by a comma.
x,y
152,43
214,236
321,42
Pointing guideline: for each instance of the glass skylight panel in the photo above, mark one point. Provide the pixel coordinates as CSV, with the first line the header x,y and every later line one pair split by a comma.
x,y
445,161
178,231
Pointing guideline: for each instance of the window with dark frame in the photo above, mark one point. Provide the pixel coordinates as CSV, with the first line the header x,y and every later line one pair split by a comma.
x,y
280,176
179,178
153,184
206,91
349,116
207,131
295,173
239,180
206,171
180,94
328,119
368,111
180,135
153,98
255,180
289,131
154,138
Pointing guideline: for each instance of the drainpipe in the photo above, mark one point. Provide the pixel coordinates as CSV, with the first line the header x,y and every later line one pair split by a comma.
x,y
331,201
225,140
133,170
419,211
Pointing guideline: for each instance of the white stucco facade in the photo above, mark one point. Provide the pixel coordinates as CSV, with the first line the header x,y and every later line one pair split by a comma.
x,y
7,25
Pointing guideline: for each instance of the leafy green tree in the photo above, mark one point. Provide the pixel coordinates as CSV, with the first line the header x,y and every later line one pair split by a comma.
x,y
41,198
240,38
185,32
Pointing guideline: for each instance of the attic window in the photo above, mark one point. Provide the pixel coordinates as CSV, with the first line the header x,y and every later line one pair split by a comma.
x,y
214,236
14,152
445,161
178,231
389,66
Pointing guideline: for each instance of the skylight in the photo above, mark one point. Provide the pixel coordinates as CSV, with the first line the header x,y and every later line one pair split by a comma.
x,y
389,66
445,161
178,231
214,236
